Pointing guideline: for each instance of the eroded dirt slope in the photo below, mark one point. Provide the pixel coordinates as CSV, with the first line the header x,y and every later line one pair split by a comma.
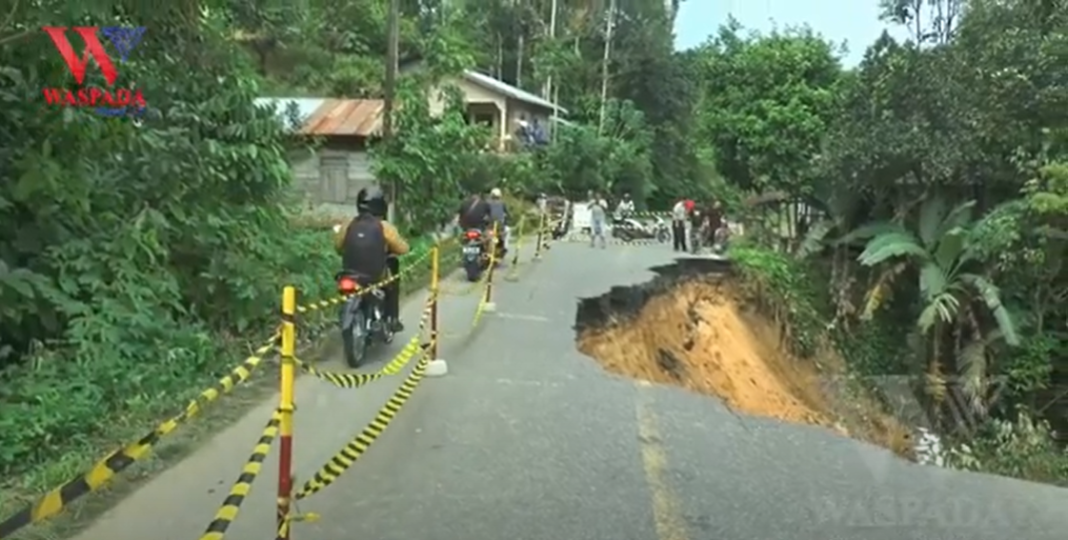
x,y
696,333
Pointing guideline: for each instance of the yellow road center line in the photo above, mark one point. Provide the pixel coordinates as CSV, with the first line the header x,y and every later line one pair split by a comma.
x,y
667,512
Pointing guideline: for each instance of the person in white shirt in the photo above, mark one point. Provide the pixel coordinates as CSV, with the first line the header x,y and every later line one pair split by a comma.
x,y
598,218
678,225
625,208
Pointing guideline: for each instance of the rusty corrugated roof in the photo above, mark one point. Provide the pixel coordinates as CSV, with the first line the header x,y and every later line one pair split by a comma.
x,y
357,117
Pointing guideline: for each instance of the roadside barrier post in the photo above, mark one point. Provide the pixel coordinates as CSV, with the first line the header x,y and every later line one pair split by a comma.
x,y
517,246
487,298
435,268
285,409
436,367
541,237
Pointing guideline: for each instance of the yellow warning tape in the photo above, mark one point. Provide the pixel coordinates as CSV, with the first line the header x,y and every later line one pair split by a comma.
x,y
485,291
227,513
352,451
394,366
104,470
410,266
585,239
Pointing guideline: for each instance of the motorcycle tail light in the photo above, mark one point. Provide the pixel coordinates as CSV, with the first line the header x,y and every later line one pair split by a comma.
x,y
347,285
473,235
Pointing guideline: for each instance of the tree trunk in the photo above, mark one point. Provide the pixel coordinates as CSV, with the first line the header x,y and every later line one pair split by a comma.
x,y
498,68
609,27
520,45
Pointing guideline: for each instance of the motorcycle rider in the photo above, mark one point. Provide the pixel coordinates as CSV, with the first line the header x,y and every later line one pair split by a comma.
x,y
713,221
369,246
696,218
497,215
473,212
625,208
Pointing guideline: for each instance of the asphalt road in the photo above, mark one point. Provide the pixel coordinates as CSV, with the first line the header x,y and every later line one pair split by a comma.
x,y
527,439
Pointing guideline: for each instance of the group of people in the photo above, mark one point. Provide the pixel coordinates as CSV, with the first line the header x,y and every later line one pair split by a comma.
x,y
599,214
484,214
707,224
370,245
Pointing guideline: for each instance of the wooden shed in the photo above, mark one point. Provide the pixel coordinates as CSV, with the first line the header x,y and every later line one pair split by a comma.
x,y
329,177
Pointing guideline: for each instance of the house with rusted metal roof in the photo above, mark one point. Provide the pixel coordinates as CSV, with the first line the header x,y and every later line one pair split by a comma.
x,y
331,176
515,116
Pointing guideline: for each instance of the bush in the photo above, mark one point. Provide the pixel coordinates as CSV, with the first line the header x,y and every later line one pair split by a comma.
x,y
1023,448
782,288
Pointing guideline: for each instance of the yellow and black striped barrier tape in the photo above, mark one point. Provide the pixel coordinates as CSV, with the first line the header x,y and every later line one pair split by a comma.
x,y
104,470
586,239
393,367
487,283
352,451
231,506
410,266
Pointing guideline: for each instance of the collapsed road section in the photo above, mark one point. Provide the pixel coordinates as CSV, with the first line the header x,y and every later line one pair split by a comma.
x,y
692,327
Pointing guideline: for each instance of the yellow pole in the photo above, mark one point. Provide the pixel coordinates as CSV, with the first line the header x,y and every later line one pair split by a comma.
x,y
285,408
488,297
435,268
541,233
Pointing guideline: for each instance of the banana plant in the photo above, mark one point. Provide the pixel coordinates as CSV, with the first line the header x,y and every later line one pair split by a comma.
x,y
949,281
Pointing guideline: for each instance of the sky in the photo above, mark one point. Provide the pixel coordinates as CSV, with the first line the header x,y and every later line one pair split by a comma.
x,y
853,21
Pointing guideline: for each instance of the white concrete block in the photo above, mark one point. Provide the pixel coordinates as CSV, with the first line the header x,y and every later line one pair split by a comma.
x,y
436,368
490,307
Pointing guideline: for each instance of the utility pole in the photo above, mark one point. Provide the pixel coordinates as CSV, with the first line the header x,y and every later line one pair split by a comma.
x,y
392,59
548,92
609,23
392,53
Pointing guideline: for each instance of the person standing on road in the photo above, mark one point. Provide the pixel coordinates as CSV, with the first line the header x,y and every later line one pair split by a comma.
x,y
713,221
598,219
678,225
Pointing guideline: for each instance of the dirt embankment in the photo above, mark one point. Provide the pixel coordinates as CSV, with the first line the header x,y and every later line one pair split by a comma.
x,y
695,332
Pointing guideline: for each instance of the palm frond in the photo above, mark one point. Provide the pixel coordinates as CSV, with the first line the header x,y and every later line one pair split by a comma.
x,y
889,245
942,307
991,296
813,243
972,366
881,291
931,213
950,249
932,281
959,217
871,230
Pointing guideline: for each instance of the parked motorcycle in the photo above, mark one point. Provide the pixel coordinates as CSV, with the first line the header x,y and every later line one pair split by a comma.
x,y
721,239
362,318
661,230
628,229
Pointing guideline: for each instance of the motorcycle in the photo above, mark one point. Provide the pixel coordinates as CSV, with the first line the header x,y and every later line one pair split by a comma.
x,y
629,229
362,318
721,238
473,255
661,230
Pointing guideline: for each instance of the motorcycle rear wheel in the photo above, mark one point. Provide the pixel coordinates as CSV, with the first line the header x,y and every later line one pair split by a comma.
x,y
354,341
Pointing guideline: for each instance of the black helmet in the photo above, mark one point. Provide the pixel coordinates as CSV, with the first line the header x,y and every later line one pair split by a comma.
x,y
371,200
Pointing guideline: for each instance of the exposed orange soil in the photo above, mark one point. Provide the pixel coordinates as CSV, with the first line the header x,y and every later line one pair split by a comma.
x,y
701,337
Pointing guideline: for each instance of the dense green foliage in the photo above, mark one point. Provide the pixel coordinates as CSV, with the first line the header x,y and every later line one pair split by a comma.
x,y
136,256
935,174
